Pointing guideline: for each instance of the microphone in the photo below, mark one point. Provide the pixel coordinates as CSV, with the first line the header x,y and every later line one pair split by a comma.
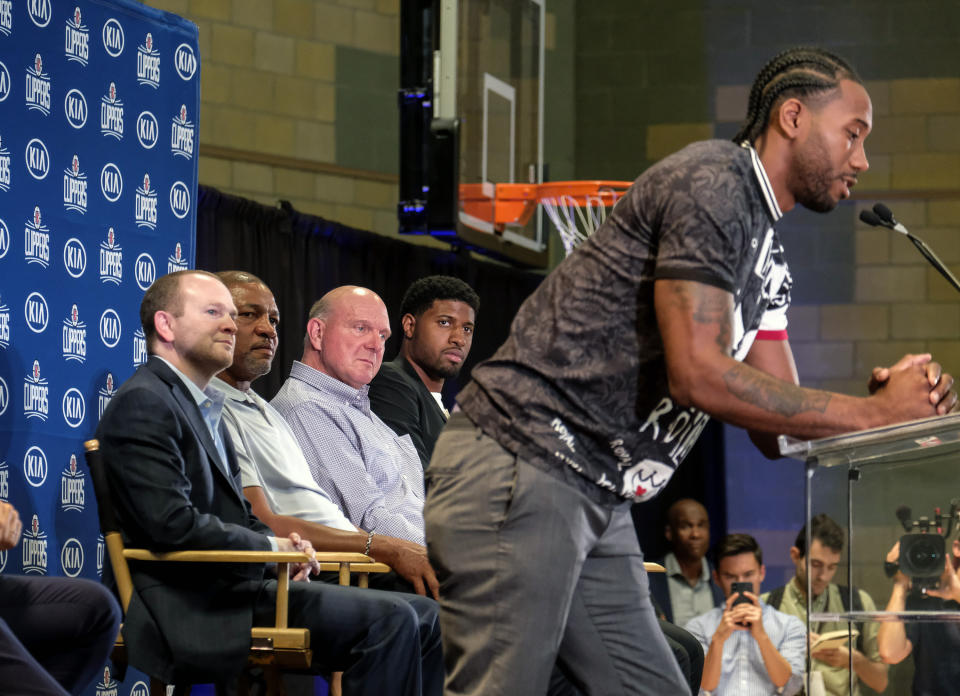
x,y
882,216
871,218
903,514
885,214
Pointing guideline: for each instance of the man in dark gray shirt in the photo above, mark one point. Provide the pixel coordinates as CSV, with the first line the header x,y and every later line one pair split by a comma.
x,y
613,367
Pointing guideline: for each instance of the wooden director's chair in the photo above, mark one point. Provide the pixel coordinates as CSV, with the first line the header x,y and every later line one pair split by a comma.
x,y
274,648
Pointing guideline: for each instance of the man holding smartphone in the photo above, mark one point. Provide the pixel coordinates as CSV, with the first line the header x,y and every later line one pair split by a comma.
x,y
751,648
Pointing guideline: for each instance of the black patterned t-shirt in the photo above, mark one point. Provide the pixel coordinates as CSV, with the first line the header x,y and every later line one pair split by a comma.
x,y
579,388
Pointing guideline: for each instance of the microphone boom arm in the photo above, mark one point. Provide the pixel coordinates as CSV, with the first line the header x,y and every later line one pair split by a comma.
x,y
934,260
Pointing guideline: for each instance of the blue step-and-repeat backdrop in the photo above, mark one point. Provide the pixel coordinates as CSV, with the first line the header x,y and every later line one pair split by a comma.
x,y
99,109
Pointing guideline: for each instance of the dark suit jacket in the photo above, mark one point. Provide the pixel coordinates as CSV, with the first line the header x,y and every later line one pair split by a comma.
x,y
186,622
402,401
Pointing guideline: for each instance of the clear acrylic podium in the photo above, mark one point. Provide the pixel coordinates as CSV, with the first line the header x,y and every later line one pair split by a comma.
x,y
862,480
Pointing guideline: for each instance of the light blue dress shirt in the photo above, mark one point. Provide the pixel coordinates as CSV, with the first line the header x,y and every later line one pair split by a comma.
x,y
743,672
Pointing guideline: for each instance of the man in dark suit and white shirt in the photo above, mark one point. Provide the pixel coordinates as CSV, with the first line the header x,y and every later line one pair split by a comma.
x,y
437,318
174,477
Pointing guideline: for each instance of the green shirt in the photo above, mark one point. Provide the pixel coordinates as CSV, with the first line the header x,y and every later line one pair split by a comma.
x,y
835,679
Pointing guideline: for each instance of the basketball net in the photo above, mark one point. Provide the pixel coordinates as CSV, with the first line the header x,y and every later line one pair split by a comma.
x,y
576,217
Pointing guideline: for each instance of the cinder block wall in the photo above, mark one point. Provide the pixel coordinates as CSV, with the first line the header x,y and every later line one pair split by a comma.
x,y
315,81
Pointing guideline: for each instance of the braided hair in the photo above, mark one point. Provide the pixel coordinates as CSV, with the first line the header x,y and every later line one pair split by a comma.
x,y
796,72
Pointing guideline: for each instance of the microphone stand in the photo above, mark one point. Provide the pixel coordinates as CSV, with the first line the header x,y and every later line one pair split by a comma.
x,y
881,216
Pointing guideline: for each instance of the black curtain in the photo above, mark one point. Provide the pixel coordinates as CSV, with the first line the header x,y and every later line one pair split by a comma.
x,y
300,257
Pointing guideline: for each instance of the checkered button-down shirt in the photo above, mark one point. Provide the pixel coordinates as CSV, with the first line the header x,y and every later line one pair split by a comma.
x,y
373,474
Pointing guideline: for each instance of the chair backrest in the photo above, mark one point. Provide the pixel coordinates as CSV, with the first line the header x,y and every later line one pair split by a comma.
x,y
108,523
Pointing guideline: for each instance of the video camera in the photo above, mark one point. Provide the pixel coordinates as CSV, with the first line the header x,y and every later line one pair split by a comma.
x,y
923,547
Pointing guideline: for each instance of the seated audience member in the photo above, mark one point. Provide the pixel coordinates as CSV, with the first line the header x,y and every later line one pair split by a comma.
x,y
372,473
686,590
275,476
174,476
55,633
437,316
751,648
934,645
825,549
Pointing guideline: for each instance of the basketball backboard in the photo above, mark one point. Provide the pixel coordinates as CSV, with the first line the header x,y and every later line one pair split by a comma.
x,y
489,75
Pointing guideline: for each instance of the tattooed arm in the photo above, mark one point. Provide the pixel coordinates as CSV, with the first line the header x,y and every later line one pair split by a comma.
x,y
696,323
774,358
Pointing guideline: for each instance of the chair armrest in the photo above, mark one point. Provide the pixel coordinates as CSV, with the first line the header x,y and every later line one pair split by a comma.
x,y
361,567
217,556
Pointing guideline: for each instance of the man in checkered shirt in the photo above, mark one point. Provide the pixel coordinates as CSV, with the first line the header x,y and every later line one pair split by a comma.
x,y
374,475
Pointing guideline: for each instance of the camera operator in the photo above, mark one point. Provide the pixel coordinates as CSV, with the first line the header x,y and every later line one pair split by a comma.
x,y
934,645
751,647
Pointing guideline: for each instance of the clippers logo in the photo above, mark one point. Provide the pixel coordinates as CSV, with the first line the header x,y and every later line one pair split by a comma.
x,y
36,312
148,63
105,394
71,487
139,348
100,552
39,11
112,36
181,135
76,42
179,199
145,212
75,108
176,262
35,466
4,334
36,393
37,91
111,113
74,257
37,159
74,407
110,328
34,545
111,260
36,240
4,402
75,188
74,337
109,685
71,558
6,17
5,171
148,132
4,481
4,82
4,238
145,271
111,182
185,61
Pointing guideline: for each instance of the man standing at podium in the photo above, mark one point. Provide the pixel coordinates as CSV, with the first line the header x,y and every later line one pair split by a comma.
x,y
672,312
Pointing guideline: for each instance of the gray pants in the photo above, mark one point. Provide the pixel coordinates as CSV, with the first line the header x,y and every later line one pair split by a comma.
x,y
533,574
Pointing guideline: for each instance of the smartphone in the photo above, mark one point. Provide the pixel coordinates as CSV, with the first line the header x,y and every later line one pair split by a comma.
x,y
738,588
